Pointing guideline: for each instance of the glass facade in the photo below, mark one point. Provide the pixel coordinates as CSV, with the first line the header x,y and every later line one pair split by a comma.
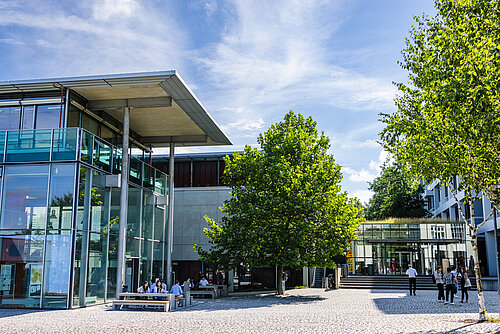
x,y
59,219
388,248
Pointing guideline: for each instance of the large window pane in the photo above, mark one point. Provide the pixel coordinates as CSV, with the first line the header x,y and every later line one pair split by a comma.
x,y
159,222
112,264
160,182
148,215
86,149
62,186
99,213
79,268
28,145
24,204
56,269
114,221
84,198
2,144
158,260
96,273
21,270
47,116
9,118
90,124
134,212
136,171
146,261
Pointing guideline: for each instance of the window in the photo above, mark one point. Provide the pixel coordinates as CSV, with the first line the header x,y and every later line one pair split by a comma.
x,y
9,118
48,116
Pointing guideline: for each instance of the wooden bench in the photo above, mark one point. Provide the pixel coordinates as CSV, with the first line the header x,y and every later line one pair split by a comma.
x,y
204,292
180,301
117,304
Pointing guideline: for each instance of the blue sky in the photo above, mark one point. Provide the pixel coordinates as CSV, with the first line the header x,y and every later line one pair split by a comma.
x,y
249,62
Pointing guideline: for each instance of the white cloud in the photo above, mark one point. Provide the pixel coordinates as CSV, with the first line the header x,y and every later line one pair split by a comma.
x,y
359,176
117,9
101,36
275,54
363,195
11,41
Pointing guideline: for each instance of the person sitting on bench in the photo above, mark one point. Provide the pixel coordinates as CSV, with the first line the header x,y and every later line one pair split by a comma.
x,y
177,290
143,288
203,282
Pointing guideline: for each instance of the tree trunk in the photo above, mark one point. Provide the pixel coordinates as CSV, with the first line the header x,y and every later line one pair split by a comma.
x,y
280,280
480,297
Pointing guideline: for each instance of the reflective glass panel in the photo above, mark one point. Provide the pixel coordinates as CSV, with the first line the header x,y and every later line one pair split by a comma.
x,y
160,182
158,260
28,118
146,257
86,150
24,200
159,227
90,124
79,273
132,248
2,145
62,187
9,118
84,198
134,212
148,215
99,212
96,272
56,269
28,145
117,161
21,269
115,211
48,115
149,177
102,155
135,171
64,144
112,263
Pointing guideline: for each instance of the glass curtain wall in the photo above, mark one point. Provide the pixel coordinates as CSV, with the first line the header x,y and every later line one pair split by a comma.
x,y
52,209
389,248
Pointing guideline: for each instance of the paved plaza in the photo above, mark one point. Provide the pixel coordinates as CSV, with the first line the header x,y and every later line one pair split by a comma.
x,y
301,311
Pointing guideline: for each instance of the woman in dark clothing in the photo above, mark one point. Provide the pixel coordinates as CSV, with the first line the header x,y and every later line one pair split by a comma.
x,y
465,285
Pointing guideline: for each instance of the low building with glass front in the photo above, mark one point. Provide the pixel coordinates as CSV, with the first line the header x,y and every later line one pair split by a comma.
x,y
389,247
60,176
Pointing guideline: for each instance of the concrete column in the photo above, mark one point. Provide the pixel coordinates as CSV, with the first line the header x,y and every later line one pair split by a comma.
x,y
230,280
170,221
305,276
120,270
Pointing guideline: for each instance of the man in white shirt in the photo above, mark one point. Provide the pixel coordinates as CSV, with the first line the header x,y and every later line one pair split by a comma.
x,y
412,274
203,281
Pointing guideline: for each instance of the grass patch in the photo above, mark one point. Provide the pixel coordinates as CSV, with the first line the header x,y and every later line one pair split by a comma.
x,y
299,287
491,319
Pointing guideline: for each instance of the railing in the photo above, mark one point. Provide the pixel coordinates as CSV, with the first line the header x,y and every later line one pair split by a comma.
x,y
76,144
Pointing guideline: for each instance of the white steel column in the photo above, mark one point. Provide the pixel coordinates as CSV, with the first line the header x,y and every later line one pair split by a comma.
x,y
120,270
170,231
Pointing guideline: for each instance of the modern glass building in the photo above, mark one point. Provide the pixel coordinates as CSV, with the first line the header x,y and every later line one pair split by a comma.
x,y
389,247
60,184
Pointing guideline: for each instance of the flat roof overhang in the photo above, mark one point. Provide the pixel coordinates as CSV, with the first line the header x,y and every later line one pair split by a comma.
x,y
414,241
163,108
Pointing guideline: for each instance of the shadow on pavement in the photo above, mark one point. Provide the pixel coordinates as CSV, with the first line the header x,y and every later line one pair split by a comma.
x,y
12,312
422,305
249,302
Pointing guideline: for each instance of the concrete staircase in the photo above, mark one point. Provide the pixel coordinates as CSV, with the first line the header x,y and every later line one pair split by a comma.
x,y
389,282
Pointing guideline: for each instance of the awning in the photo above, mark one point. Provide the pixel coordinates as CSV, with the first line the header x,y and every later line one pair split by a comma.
x,y
163,108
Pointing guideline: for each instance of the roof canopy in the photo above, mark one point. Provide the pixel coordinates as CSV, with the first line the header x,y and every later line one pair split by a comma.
x,y
163,108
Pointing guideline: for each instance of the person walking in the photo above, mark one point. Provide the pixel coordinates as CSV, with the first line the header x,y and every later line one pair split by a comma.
x,y
465,284
412,275
438,277
449,280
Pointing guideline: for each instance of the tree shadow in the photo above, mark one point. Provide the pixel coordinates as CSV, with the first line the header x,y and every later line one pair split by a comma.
x,y
423,305
250,302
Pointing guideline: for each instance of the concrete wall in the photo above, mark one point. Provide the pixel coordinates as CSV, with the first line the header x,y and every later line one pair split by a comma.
x,y
190,205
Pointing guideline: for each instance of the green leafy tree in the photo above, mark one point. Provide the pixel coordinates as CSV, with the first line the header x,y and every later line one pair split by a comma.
x,y
287,207
447,121
397,194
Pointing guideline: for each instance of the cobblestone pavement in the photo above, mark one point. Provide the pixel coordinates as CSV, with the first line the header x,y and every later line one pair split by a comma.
x,y
301,311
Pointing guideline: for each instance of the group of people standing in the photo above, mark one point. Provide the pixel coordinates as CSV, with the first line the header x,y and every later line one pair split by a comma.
x,y
450,282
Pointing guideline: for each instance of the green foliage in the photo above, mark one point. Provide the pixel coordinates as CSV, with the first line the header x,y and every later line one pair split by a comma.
x,y
397,194
448,121
287,208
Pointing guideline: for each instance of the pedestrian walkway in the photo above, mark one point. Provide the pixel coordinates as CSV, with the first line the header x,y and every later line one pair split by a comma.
x,y
300,311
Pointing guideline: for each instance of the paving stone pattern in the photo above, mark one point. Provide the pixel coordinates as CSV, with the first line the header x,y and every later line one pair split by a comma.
x,y
301,311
